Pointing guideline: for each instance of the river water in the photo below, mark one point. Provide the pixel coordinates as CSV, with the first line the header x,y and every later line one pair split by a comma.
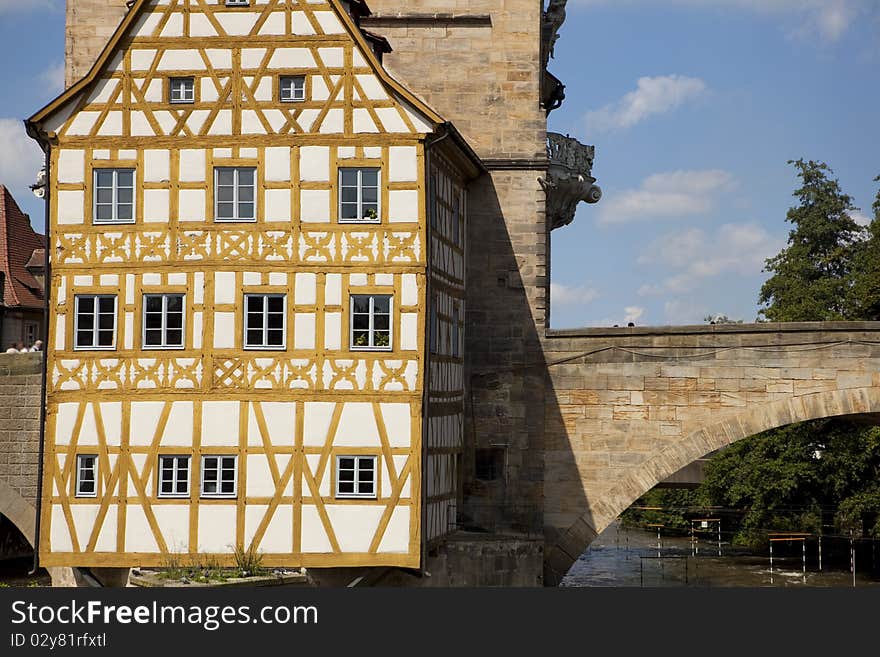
x,y
629,557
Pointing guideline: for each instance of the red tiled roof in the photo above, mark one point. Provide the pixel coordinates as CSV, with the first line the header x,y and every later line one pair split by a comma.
x,y
18,241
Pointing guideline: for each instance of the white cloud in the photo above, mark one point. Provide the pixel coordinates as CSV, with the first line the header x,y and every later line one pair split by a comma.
x,y
20,157
670,194
54,78
859,218
632,314
694,255
656,95
827,19
565,295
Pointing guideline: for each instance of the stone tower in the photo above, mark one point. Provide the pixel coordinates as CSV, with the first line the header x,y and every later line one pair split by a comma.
x,y
481,64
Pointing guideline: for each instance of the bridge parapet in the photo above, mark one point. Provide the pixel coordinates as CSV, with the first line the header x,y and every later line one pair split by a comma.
x,y
628,407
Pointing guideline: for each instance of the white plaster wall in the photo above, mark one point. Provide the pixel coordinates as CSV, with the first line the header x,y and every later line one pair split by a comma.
x,y
304,331
192,166
191,205
156,205
224,330
59,534
314,536
237,23
362,122
403,205
277,205
220,423
316,422
144,421
173,521
156,165
88,431
182,60
333,122
138,534
71,166
398,423
224,287
333,290
409,324
179,430
391,120
292,58
314,163
216,528
354,526
71,207
277,165
111,417
333,331
332,57
402,164
315,205
396,538
357,426
259,477
107,535
142,59
82,123
371,86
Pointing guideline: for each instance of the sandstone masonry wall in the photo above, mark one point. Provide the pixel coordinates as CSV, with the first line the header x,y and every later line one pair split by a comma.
x,y
20,398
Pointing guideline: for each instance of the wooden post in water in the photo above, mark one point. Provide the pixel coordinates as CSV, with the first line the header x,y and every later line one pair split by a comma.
x,y
804,552
820,553
852,557
771,561
693,553
719,537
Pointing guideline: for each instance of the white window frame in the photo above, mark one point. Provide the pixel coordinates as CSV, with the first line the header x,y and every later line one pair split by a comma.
x,y
187,85
79,473
175,471
219,480
357,469
371,329
236,187
115,189
265,327
164,328
95,317
360,195
238,3
294,82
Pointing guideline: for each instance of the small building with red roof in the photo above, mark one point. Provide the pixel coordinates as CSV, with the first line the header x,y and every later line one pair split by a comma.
x,y
22,275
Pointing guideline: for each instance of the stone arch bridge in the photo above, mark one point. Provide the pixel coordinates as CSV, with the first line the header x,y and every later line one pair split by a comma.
x,y
627,408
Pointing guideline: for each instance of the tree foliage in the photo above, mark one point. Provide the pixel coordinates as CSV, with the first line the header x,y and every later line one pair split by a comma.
x,y
811,276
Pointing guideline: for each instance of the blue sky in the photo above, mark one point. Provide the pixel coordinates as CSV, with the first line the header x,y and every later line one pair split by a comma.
x,y
694,106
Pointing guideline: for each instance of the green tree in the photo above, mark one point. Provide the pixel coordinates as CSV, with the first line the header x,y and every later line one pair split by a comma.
x,y
811,276
864,296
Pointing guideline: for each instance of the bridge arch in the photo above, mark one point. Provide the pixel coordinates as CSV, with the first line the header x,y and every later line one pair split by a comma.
x,y
19,511
569,544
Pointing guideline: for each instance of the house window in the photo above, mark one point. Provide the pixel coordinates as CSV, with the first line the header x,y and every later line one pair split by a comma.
x,y
113,196
371,321
355,476
163,321
293,88
30,332
489,463
182,90
264,321
235,194
456,337
86,475
95,322
173,476
359,194
237,3
219,476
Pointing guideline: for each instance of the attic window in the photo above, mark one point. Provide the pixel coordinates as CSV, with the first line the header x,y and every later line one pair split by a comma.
x,y
237,3
293,88
182,90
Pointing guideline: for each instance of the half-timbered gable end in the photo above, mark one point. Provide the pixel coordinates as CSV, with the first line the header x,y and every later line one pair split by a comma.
x,y
241,252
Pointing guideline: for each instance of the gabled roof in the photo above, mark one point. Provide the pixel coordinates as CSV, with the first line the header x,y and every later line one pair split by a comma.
x,y
132,15
18,243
